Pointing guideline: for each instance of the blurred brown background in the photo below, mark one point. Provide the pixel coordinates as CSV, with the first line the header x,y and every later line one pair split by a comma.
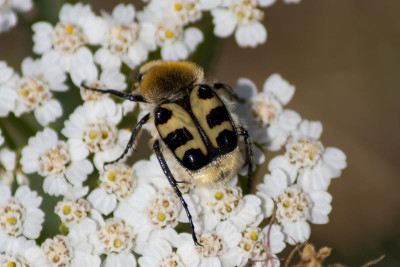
x,y
344,58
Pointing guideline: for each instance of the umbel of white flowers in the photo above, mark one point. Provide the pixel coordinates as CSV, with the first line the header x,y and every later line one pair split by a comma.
x,y
132,216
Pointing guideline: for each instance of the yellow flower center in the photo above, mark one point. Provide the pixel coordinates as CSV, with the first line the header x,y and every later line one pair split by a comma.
x,y
69,29
23,93
254,236
56,259
11,264
169,34
165,203
286,204
161,217
93,134
111,176
247,247
117,243
219,196
66,209
12,220
178,6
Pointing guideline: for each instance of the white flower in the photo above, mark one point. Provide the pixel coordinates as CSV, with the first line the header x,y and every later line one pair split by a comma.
x,y
77,26
76,214
227,203
218,246
294,206
8,95
61,251
260,245
243,17
163,250
268,122
40,77
124,39
91,128
148,210
115,239
181,11
21,252
19,214
110,78
52,159
176,42
117,182
308,160
8,18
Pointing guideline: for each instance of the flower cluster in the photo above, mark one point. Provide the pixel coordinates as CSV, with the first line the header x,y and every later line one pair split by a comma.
x,y
124,214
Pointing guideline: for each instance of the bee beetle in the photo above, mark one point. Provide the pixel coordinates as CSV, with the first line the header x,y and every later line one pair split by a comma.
x,y
191,123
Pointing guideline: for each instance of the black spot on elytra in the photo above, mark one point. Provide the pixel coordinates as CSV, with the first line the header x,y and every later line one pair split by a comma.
x,y
177,138
162,115
227,141
217,116
205,92
194,159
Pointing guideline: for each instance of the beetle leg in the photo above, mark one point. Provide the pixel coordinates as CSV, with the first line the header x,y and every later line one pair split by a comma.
x,y
130,97
173,183
249,156
134,134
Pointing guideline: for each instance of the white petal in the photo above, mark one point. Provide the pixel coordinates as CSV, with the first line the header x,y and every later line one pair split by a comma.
x,y
48,112
297,232
251,34
279,87
174,51
192,38
312,129
246,88
102,201
224,21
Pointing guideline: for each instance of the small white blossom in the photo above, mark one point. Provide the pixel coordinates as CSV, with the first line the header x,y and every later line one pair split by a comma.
x,y
148,210
39,78
61,251
8,96
228,203
52,159
218,246
294,206
19,214
77,27
8,18
125,40
110,78
116,183
260,245
115,239
21,252
308,160
268,122
242,17
176,42
163,250
93,129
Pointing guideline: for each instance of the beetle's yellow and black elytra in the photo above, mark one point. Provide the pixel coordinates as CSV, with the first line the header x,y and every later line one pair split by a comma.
x,y
192,125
